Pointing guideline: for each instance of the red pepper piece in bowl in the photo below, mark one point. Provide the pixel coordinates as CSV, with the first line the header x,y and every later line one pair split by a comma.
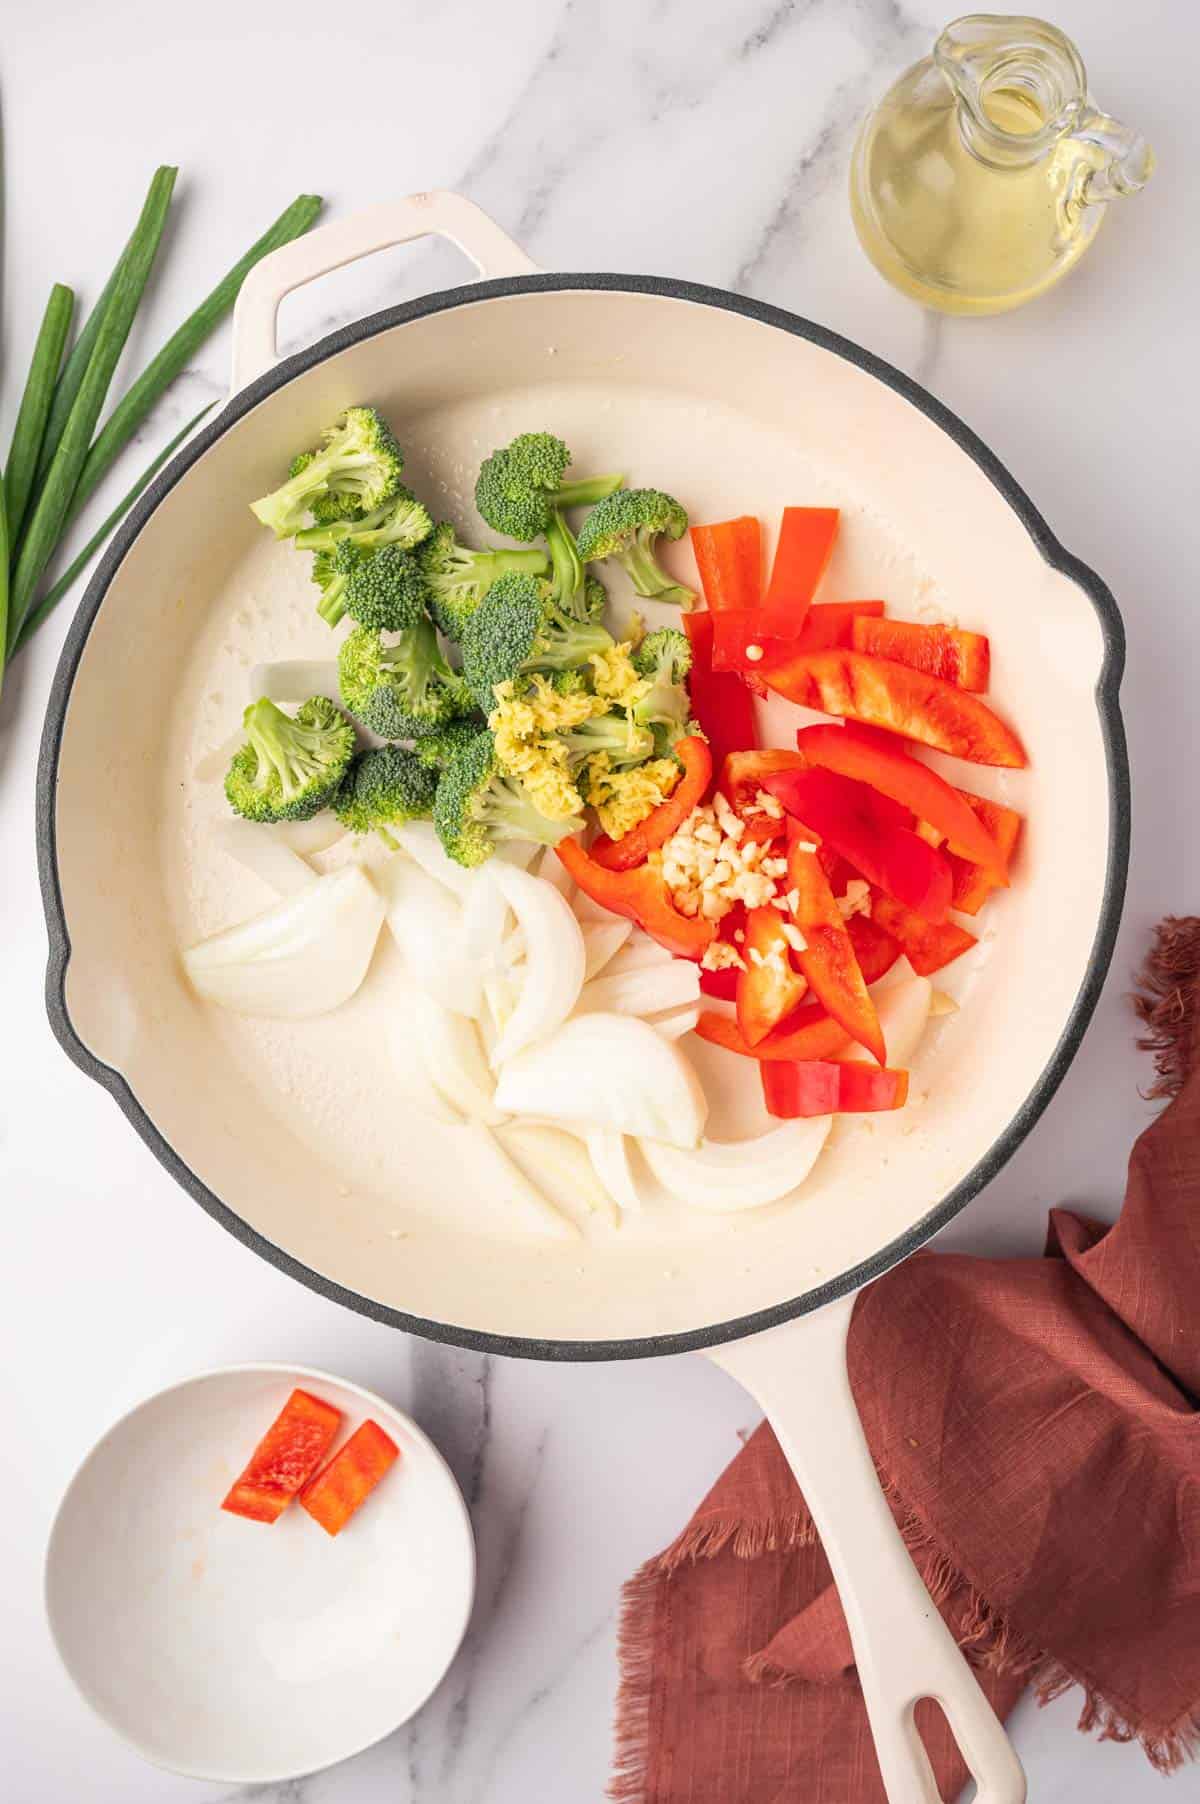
x,y
928,945
285,1459
769,989
351,1475
871,832
720,701
943,651
639,895
806,541
828,960
797,1089
635,847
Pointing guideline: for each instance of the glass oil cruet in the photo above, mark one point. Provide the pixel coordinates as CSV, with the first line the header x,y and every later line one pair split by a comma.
x,y
983,175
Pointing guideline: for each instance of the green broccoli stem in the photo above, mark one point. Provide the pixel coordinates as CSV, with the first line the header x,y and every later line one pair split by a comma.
x,y
332,605
509,813
648,577
567,567
487,566
586,491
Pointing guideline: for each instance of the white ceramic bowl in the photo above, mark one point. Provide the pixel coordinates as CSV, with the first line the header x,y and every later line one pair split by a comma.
x,y
232,1650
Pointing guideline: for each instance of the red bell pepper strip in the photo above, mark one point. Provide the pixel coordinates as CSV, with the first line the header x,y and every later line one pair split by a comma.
x,y
796,1089
875,950
742,642
972,884
743,775
721,985
720,702
828,960
285,1459
904,701
344,1485
871,832
639,895
927,945
769,988
942,651
729,558
879,759
830,624
636,846
810,1033
806,539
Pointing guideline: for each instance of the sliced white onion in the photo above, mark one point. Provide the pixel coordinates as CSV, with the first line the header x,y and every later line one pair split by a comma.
x,y
516,1199
552,870
609,1153
602,940
609,1071
903,1015
214,764
484,919
650,991
678,1022
453,1055
413,1081
551,1152
500,995
302,957
638,953
309,837
427,925
257,848
724,1176
295,680
554,960
420,841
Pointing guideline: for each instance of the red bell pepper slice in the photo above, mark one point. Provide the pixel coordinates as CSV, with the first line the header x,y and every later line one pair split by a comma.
x,y
285,1459
811,1033
875,950
904,701
879,759
720,985
928,945
636,846
972,883
769,988
871,832
828,960
743,774
351,1475
796,1089
742,642
806,540
720,702
830,624
729,558
639,895
942,651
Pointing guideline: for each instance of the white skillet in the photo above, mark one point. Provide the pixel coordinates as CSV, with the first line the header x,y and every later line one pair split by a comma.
x,y
737,407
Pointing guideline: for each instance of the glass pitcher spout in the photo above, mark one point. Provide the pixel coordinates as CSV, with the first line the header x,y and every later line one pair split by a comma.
x,y
1020,85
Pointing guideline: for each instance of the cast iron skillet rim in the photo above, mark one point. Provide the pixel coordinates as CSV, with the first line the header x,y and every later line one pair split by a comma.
x,y
1116,758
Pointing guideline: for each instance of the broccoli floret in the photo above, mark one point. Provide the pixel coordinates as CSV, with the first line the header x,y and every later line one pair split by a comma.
x,y
663,659
595,596
625,526
400,690
331,571
623,798
459,578
624,741
517,628
400,521
358,460
330,507
384,788
436,749
521,485
477,806
290,768
384,589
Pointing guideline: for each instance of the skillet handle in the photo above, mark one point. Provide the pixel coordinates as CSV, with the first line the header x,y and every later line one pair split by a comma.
x,y
437,214
902,1647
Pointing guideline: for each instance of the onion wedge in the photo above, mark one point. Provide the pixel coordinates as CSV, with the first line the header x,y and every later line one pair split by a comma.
x,y
554,1151
607,1071
602,940
609,1153
725,1176
651,990
427,925
512,1191
257,848
554,961
302,957
453,1057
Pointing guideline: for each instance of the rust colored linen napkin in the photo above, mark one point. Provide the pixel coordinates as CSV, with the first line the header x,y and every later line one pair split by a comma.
x,y
1042,1456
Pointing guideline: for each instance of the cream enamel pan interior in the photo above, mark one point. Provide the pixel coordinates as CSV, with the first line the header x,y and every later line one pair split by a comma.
x,y
273,1128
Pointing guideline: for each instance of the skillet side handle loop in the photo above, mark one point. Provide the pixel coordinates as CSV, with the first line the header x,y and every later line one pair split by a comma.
x,y
902,1647
437,214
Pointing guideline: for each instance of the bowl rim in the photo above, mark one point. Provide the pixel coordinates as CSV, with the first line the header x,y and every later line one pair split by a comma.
x,y
1108,709
297,1375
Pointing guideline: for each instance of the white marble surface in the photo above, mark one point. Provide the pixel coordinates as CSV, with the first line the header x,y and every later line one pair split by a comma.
x,y
704,140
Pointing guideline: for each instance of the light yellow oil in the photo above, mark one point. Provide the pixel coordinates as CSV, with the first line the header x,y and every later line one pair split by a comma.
x,y
951,229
